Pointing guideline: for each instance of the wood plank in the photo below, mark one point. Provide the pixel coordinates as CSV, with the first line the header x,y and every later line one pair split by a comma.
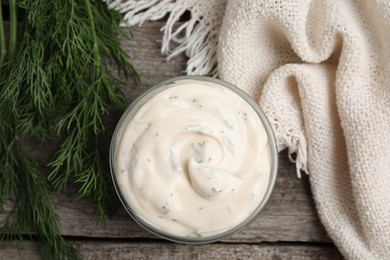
x,y
145,53
289,216
171,251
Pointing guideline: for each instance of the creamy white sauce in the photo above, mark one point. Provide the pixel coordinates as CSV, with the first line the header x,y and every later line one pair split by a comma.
x,y
194,160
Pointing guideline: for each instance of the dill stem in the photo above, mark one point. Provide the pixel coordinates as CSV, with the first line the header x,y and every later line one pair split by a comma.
x,y
93,30
12,27
2,36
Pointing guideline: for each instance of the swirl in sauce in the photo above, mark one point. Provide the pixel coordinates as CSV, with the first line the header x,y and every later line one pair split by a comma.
x,y
193,160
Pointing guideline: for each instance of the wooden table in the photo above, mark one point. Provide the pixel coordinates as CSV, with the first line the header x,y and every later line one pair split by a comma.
x,y
288,228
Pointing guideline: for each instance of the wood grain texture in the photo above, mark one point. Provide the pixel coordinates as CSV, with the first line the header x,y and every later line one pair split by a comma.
x,y
169,251
289,217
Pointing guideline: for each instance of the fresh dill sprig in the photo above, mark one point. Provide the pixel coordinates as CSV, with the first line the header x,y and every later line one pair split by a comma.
x,y
34,210
57,83
27,89
3,49
89,45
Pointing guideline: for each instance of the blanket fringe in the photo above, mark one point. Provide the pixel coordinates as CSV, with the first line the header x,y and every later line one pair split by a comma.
x,y
296,144
197,37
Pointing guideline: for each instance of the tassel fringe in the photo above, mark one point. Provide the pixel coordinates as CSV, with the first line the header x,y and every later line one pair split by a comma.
x,y
296,144
197,37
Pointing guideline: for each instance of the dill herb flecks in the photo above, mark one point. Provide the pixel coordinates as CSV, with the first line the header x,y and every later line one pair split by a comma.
x,y
56,81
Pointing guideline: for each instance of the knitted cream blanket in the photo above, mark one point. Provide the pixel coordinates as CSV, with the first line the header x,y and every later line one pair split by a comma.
x,y
321,72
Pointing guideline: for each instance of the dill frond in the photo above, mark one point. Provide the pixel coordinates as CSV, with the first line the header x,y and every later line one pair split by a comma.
x,y
88,44
56,82
34,209
3,49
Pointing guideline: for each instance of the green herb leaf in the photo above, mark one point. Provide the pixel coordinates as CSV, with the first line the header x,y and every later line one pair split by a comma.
x,y
57,82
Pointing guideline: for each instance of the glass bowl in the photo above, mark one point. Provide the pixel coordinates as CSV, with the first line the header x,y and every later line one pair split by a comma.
x,y
134,183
